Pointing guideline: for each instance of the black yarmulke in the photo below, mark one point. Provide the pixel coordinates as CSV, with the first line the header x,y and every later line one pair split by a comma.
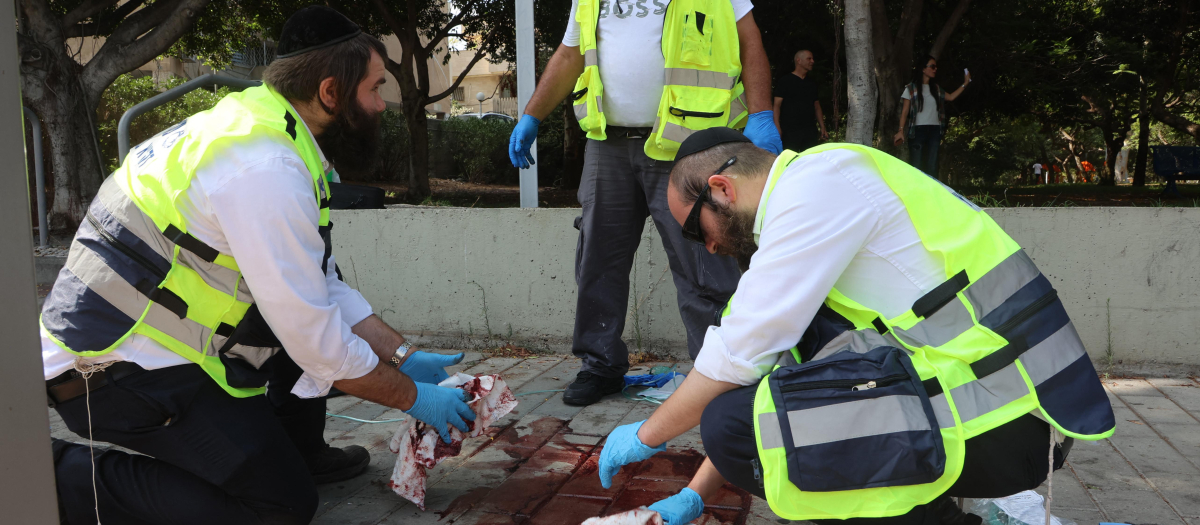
x,y
707,138
312,28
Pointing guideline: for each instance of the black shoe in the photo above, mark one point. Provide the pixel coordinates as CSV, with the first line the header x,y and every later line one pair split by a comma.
x,y
334,464
588,388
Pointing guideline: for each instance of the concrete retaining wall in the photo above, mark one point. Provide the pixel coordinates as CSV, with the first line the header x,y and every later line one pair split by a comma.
x,y
471,277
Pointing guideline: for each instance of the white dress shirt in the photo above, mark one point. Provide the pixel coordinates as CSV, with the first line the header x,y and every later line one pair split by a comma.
x,y
254,200
831,221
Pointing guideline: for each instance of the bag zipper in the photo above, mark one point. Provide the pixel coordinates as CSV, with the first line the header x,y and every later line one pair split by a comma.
x,y
121,247
1027,312
856,384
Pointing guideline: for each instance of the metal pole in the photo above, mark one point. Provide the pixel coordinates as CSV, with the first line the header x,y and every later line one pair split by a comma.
x,y
525,85
27,492
167,96
39,177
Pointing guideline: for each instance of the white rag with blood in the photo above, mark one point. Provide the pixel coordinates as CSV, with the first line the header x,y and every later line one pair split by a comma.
x,y
419,446
638,516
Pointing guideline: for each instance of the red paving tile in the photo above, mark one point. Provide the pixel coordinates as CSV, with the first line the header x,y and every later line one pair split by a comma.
x,y
566,510
486,518
523,492
586,481
673,466
532,435
729,497
553,457
722,517
642,493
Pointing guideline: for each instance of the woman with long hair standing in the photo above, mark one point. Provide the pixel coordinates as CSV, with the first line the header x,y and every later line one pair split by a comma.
x,y
923,118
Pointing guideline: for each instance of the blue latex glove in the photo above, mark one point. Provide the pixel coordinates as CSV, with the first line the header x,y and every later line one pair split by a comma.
x,y
760,129
424,367
681,508
622,448
522,138
438,405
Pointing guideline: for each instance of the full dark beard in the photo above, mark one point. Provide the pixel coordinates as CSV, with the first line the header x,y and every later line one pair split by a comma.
x,y
351,141
737,239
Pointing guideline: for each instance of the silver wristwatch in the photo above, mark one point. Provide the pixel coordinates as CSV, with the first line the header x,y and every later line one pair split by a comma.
x,y
400,353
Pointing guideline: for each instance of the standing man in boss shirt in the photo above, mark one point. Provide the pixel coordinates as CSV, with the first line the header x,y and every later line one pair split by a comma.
x,y
646,75
797,110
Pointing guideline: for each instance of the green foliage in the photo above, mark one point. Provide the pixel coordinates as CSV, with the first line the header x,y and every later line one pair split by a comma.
x,y
225,28
479,149
128,91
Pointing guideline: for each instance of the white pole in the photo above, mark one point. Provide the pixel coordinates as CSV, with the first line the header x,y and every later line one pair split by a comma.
x,y
525,85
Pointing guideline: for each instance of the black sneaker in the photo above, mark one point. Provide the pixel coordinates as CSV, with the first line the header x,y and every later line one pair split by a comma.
x,y
588,388
334,464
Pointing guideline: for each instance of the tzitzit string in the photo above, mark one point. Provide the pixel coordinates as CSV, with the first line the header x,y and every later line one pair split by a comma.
x,y
86,370
1050,476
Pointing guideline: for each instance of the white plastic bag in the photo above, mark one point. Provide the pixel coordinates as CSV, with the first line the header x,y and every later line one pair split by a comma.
x,y
1022,508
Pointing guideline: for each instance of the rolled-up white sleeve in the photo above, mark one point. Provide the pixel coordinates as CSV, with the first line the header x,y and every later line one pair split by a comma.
x,y
816,221
269,217
353,305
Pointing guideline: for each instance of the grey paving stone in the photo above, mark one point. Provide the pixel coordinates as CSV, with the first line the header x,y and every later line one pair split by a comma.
x,y
1069,493
494,365
356,510
601,418
1163,466
1184,392
340,403
1132,387
1123,495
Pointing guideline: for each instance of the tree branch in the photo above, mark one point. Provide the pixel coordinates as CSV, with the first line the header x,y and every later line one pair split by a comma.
x,y
474,60
459,19
138,23
118,56
949,27
104,23
83,11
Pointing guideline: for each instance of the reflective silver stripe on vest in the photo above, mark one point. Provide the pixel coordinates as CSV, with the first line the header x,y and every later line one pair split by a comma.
x,y
105,282
941,410
941,327
126,212
591,58
1053,354
123,209
736,107
696,78
981,396
857,419
599,104
581,110
676,132
769,433
254,355
859,342
1000,283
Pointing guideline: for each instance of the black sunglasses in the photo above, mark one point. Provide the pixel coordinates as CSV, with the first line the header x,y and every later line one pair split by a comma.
x,y
691,226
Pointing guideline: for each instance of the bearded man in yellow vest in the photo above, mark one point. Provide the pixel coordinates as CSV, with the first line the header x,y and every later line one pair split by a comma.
x,y
889,347
204,271
641,77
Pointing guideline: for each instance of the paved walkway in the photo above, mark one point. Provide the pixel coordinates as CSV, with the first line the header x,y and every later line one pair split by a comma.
x,y
538,464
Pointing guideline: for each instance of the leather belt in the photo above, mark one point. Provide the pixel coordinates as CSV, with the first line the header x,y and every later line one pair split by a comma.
x,y
71,384
622,132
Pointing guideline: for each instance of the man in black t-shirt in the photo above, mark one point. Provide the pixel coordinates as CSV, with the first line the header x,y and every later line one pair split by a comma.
x,y
797,111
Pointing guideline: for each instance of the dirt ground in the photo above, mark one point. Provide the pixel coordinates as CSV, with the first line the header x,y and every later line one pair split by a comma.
x,y
448,192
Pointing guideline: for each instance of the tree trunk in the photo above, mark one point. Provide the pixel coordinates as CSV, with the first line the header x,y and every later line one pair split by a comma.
x,y
861,88
1112,146
1139,171
573,145
50,86
418,149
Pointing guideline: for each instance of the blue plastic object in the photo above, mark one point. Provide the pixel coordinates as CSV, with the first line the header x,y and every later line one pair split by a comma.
x,y
651,380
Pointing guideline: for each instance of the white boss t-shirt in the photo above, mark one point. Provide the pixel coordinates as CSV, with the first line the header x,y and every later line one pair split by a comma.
x,y
1037,169
629,49
928,116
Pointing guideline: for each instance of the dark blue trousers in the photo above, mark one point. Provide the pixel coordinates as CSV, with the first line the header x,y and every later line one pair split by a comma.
x,y
1000,462
208,457
923,149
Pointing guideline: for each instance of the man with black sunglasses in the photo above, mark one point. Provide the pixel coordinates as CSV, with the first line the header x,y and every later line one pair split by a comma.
x,y
889,346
